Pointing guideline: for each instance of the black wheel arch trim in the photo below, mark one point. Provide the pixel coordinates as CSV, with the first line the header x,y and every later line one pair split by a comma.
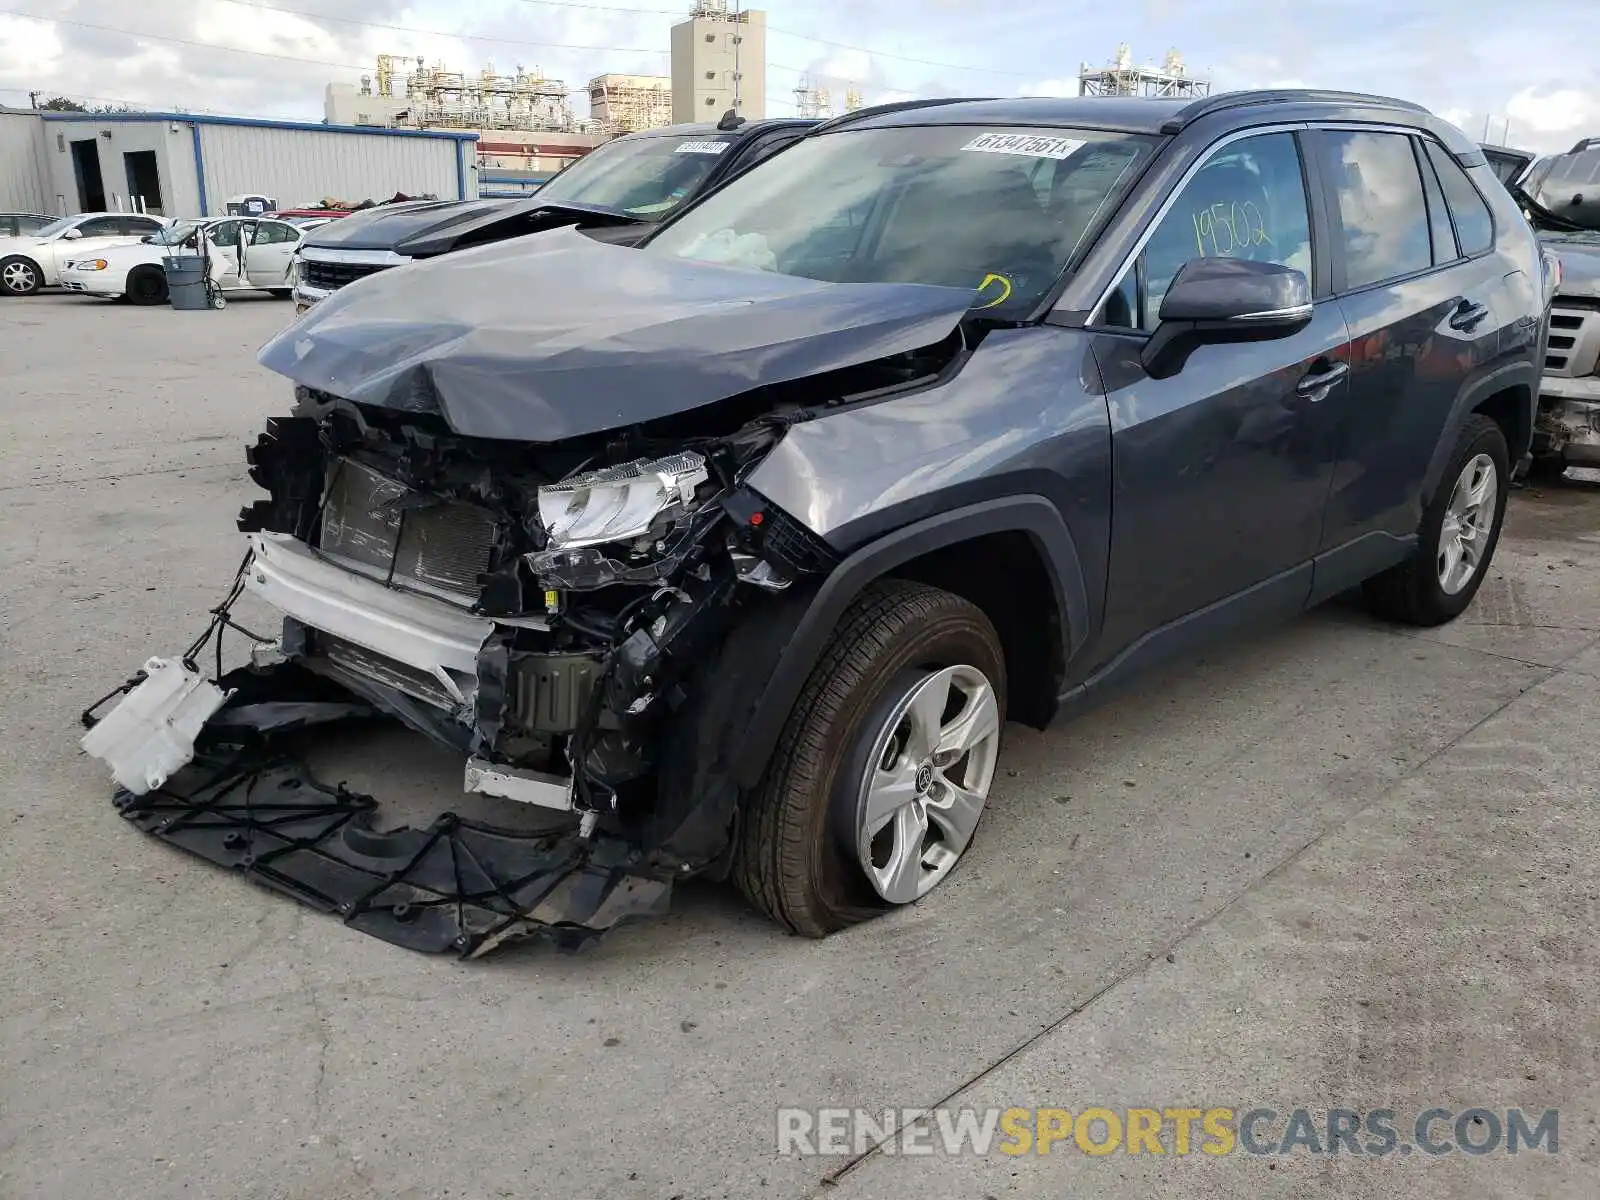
x,y
1034,516
1524,374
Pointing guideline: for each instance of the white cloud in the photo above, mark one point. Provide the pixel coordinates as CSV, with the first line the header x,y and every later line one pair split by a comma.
x,y
28,45
1050,87
1554,118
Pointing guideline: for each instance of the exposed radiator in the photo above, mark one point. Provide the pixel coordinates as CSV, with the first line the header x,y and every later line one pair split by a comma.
x,y
381,528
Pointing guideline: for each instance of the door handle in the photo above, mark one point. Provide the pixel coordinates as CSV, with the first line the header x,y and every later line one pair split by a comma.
x,y
1467,315
1315,385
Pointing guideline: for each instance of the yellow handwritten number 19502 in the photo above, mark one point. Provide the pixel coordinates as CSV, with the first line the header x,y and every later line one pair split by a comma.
x,y
1225,228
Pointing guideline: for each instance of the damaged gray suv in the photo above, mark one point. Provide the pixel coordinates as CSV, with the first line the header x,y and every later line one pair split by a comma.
x,y
732,554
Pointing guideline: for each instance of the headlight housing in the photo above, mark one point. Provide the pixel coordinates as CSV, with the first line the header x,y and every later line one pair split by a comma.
x,y
87,264
616,504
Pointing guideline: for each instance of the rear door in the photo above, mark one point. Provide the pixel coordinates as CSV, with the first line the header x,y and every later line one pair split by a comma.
x,y
267,258
1418,281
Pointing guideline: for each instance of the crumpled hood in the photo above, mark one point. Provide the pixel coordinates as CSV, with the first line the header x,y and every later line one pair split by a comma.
x,y
1580,262
555,335
384,227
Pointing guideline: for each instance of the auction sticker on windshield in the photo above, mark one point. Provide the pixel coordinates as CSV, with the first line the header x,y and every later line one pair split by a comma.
x,y
701,147
1031,144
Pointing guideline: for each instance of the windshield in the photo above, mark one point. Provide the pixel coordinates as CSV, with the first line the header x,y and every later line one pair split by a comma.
x,y
645,177
174,234
58,226
1001,211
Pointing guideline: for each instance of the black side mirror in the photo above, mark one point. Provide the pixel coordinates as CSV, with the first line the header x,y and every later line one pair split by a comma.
x,y
1225,300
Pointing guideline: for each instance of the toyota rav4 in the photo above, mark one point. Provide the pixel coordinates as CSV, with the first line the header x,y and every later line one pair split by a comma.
x,y
734,552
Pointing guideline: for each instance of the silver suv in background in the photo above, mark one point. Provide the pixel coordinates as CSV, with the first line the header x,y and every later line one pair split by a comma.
x,y
1560,194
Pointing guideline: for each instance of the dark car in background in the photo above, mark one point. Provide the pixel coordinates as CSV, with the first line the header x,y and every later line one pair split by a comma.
x,y
617,192
734,551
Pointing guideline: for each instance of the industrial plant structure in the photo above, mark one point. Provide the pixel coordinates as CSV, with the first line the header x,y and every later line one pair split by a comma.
x,y
811,100
719,61
629,103
1123,78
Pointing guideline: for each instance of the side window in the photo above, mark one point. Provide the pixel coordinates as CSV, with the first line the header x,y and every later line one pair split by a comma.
x,y
1382,216
1445,249
101,227
224,233
140,225
1248,201
269,233
1468,209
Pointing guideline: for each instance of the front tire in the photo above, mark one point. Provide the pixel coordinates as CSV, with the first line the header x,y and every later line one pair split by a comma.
x,y
20,276
147,285
880,778
1457,538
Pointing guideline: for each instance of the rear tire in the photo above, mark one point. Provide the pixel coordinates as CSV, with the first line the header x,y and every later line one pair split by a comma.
x,y
799,848
147,285
1416,591
20,276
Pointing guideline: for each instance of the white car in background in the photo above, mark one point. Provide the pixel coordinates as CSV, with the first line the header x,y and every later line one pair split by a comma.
x,y
34,260
247,253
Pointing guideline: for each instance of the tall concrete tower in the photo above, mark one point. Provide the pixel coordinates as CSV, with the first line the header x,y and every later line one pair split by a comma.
x,y
719,61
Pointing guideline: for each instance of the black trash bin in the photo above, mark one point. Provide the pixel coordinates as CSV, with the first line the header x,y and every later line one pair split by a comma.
x,y
186,281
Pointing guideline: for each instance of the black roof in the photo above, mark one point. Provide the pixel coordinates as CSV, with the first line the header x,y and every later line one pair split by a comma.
x,y
1124,114
743,130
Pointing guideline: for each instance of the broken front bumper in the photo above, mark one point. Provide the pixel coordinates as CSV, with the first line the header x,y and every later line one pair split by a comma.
x,y
1568,423
206,767
246,803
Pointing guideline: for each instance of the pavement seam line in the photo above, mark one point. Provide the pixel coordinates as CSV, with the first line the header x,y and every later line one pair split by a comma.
x,y
833,1178
40,486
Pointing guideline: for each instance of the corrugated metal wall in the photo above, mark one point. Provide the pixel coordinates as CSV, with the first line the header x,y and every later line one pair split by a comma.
x,y
23,186
298,166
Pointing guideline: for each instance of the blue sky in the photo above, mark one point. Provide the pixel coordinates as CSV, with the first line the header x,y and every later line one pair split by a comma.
x,y
1531,62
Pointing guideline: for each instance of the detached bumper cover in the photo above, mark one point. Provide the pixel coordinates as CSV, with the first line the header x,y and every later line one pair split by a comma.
x,y
455,886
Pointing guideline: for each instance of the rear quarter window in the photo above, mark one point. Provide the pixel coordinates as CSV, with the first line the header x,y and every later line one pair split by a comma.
x,y
1469,211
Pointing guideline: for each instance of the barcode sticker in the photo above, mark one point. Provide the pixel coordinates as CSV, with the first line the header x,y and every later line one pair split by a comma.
x,y
1034,145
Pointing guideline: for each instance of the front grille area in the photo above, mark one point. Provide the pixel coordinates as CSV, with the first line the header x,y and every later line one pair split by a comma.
x,y
386,531
331,275
1574,344
361,661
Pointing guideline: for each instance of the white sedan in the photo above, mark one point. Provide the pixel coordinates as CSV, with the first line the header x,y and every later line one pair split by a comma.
x,y
247,254
33,261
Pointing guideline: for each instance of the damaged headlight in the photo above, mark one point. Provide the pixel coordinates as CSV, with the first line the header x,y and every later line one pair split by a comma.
x,y
614,504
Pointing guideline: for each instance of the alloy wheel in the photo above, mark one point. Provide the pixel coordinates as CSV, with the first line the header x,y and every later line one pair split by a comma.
x,y
927,782
1468,522
19,277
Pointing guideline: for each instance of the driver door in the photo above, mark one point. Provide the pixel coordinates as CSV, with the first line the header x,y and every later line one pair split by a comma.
x,y
1221,471
228,241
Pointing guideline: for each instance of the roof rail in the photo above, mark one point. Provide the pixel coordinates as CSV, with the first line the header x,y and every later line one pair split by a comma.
x,y
1207,105
876,110
1584,144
